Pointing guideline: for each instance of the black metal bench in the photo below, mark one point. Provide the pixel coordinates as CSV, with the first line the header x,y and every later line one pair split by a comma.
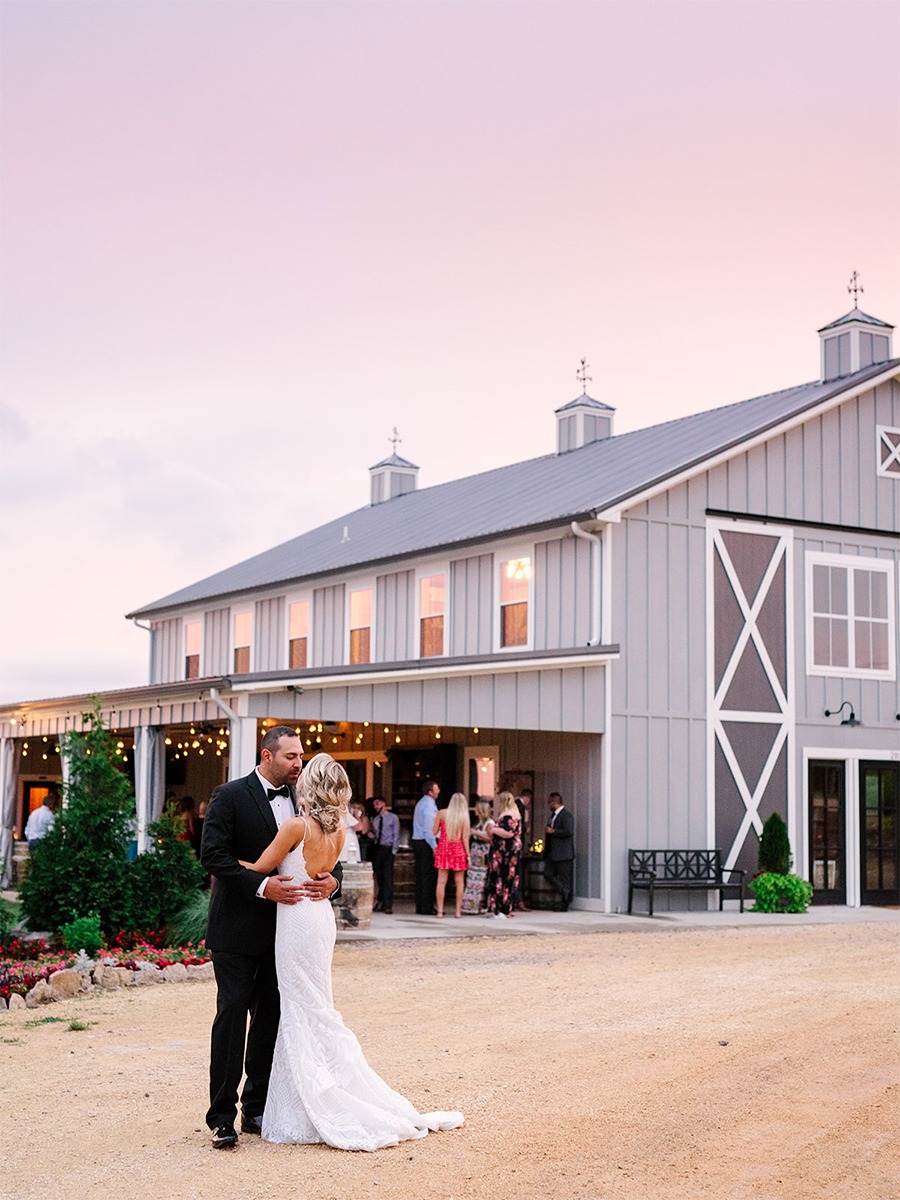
x,y
689,870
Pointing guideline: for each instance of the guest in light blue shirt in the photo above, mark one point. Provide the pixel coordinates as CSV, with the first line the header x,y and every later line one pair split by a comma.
x,y
423,844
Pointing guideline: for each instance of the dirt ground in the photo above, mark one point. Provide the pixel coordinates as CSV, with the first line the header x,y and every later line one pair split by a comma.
x,y
740,1064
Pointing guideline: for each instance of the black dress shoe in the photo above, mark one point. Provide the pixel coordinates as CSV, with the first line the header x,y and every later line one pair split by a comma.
x,y
224,1137
251,1124
388,911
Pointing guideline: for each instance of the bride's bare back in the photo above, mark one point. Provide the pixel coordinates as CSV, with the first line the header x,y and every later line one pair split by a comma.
x,y
321,850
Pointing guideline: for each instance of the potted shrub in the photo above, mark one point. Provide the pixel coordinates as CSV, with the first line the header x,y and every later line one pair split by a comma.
x,y
776,889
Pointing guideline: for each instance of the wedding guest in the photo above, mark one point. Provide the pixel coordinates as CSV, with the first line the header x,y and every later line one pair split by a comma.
x,y
559,852
524,803
362,828
383,849
424,844
40,822
506,847
451,827
479,851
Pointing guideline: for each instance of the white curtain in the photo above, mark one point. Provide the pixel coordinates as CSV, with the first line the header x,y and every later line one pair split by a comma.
x,y
8,763
149,779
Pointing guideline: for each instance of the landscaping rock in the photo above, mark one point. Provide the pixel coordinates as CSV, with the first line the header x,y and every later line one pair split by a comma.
x,y
64,984
39,994
175,973
201,971
16,1001
147,973
3,1004
111,977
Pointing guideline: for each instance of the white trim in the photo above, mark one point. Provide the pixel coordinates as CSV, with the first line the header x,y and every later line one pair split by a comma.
x,y
614,512
882,433
851,759
849,563
508,554
426,572
439,671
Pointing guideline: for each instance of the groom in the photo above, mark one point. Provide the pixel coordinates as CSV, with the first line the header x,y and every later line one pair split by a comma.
x,y
243,818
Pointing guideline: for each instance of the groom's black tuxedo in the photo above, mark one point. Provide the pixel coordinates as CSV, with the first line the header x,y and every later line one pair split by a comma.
x,y
241,935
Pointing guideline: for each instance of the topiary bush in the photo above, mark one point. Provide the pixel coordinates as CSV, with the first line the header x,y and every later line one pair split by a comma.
x,y
775,848
164,878
81,865
781,893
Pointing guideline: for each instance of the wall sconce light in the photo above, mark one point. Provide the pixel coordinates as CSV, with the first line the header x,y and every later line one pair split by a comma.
x,y
851,720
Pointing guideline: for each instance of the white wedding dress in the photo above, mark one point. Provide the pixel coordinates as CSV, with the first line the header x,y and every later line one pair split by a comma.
x,y
321,1088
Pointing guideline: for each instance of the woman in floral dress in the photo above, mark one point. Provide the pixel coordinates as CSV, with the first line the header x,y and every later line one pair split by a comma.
x,y
479,853
503,864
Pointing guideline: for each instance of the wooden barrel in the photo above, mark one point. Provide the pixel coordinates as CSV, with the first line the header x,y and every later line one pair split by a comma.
x,y
539,892
354,908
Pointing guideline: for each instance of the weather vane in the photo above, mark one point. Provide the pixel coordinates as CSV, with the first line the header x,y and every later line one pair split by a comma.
x,y
855,287
395,439
582,376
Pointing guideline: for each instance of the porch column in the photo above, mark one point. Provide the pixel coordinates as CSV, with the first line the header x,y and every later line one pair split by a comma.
x,y
8,765
149,773
242,748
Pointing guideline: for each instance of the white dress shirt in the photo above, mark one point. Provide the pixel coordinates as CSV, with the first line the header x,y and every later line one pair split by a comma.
x,y
282,808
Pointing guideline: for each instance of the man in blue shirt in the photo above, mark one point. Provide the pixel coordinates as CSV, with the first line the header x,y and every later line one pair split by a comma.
x,y
384,843
423,844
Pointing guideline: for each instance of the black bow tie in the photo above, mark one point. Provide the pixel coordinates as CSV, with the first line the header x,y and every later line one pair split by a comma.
x,y
271,793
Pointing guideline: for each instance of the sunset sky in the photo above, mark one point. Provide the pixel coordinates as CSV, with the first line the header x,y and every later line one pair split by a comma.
x,y
242,241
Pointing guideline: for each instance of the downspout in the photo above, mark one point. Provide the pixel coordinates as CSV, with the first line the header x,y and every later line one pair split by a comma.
x,y
596,565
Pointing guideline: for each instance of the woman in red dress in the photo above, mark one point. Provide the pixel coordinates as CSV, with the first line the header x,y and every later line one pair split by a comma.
x,y
451,828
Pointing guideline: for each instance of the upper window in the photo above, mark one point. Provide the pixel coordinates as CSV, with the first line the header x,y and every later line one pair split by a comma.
x,y
850,616
888,452
243,638
298,635
192,635
432,605
361,626
515,590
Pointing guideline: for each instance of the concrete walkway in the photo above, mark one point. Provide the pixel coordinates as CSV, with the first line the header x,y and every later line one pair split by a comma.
x,y
400,926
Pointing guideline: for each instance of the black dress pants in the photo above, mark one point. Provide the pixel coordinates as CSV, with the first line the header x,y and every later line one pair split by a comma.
x,y
560,876
246,984
426,877
383,870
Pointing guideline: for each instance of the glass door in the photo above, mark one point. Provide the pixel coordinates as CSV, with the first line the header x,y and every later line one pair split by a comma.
x,y
827,832
879,799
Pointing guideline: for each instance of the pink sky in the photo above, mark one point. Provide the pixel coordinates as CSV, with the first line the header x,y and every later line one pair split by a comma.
x,y
241,241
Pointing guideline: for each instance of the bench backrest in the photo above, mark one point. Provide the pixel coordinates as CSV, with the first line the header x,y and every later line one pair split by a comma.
x,y
677,865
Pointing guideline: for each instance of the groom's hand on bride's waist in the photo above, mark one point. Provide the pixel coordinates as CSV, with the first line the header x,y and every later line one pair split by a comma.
x,y
319,888
282,890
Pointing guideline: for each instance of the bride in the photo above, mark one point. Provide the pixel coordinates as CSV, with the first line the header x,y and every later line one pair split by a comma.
x,y
321,1088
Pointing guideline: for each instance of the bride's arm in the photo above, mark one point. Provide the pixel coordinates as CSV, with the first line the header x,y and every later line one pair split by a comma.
x,y
288,836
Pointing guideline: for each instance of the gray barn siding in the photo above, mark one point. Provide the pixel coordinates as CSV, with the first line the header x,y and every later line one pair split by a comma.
x,y
328,626
538,700
395,613
167,653
659,614
216,652
269,635
562,593
471,605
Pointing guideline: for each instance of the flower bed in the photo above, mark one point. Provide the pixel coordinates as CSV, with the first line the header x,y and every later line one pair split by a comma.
x,y
24,963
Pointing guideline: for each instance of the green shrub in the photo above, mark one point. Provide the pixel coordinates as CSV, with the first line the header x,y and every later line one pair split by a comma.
x,y
83,934
164,878
781,893
188,926
775,848
82,865
8,919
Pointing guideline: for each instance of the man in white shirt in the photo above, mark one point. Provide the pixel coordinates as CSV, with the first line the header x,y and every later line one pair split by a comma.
x,y
40,822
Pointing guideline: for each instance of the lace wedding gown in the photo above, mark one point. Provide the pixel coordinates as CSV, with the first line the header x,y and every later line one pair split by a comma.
x,y
321,1088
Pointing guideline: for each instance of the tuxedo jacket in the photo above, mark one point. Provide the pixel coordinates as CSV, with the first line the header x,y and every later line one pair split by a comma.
x,y
240,824
561,842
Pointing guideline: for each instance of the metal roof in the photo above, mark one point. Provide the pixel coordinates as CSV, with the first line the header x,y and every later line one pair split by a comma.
x,y
586,401
855,315
538,493
394,460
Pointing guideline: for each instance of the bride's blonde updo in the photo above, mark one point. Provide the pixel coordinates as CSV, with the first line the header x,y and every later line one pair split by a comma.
x,y
324,791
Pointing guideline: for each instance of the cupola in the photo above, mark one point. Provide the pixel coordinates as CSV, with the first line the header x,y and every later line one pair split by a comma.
x,y
393,476
854,341
582,421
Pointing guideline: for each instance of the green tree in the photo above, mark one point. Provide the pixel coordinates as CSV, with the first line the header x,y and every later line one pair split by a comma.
x,y
81,865
775,848
165,878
